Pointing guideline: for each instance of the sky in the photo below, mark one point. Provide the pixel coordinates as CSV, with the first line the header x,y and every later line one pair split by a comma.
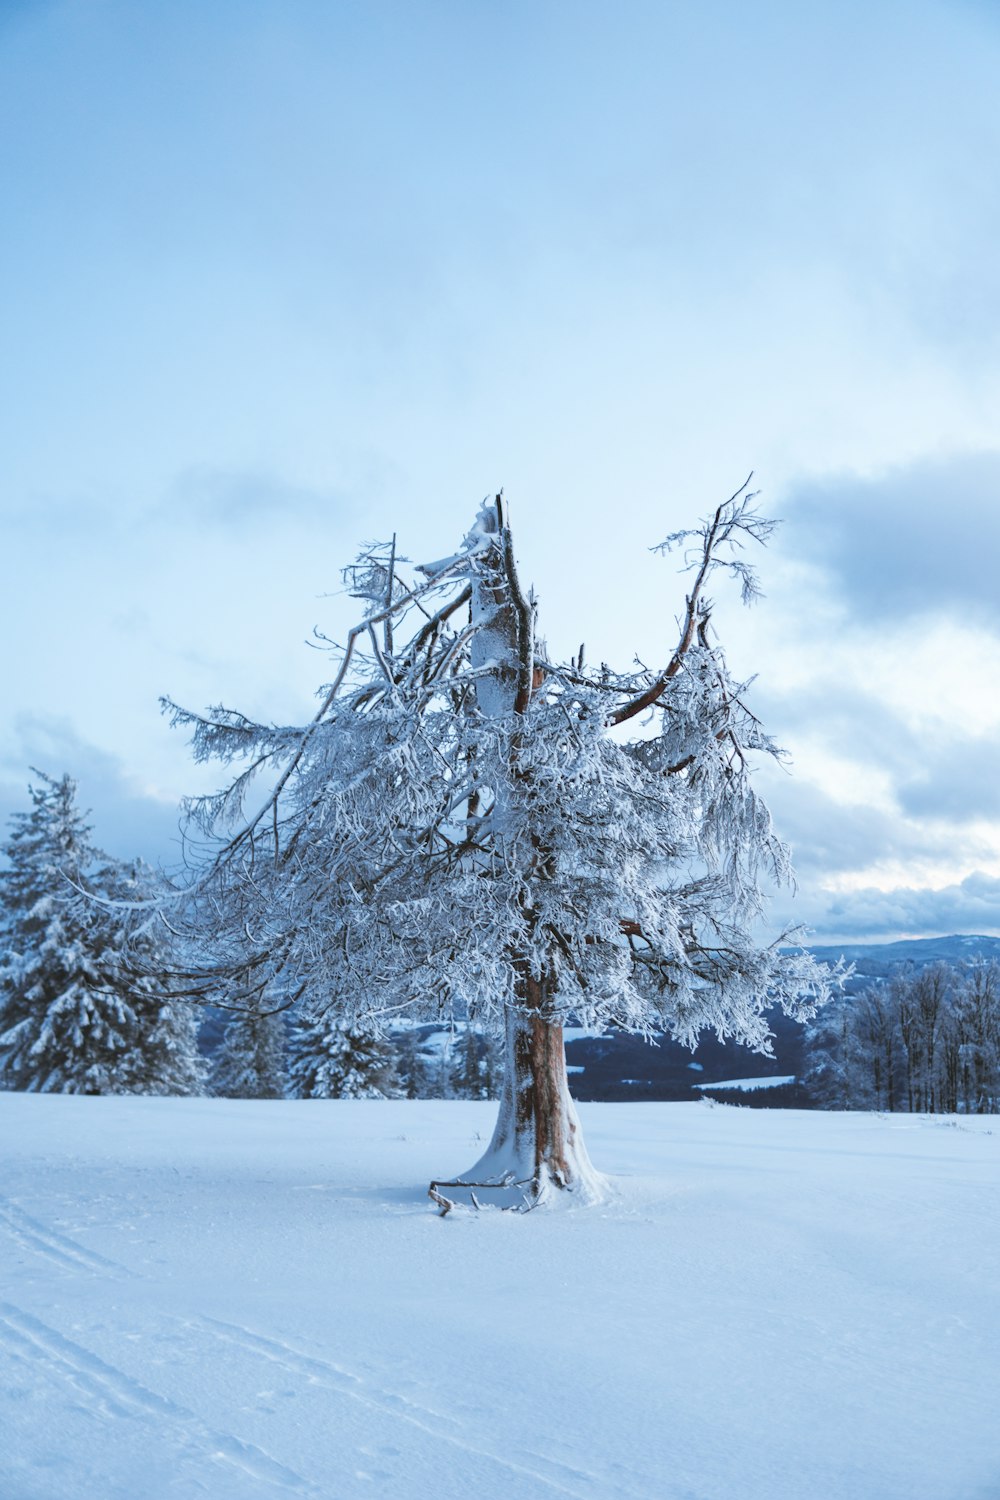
x,y
278,278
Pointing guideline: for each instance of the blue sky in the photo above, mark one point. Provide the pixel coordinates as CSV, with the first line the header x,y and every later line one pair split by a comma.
x,y
276,278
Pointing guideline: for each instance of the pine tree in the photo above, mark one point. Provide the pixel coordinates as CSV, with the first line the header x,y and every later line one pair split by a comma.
x,y
166,1059
412,1066
73,1018
63,1024
473,1066
251,1060
330,1060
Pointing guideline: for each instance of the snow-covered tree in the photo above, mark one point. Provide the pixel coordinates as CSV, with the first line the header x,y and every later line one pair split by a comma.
x,y
874,1057
165,1058
472,1072
465,827
971,1043
331,1060
59,1027
413,1066
828,1055
929,1039
251,1063
72,1018
922,1000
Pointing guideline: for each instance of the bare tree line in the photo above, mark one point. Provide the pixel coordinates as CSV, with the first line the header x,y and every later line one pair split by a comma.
x,y
924,1041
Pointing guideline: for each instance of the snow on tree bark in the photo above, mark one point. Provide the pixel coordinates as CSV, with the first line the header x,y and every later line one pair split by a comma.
x,y
537,1143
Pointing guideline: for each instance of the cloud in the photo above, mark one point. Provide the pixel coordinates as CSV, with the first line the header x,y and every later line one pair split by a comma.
x,y
829,837
957,782
126,821
226,498
918,539
939,772
860,724
972,906
220,498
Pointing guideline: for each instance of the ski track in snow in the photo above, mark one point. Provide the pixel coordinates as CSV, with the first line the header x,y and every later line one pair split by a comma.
x,y
555,1475
110,1392
56,1247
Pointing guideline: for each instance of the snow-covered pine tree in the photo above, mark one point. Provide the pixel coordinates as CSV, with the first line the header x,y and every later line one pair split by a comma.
x,y
251,1062
473,1065
165,1059
60,1030
170,1060
331,1060
459,829
72,1018
412,1066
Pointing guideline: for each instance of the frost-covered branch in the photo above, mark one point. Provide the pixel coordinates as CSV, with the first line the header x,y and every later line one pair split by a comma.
x,y
732,524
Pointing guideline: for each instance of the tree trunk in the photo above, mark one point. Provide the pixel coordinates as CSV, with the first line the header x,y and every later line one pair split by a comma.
x,y
537,1150
537,1145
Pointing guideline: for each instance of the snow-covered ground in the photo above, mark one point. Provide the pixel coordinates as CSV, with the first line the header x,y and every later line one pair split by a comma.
x,y
223,1299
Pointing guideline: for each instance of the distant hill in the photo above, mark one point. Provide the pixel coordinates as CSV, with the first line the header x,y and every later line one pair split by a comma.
x,y
873,961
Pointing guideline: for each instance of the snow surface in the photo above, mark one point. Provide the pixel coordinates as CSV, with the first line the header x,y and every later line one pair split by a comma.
x,y
748,1085
222,1298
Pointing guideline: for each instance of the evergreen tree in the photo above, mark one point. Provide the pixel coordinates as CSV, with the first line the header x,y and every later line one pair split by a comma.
x,y
473,1066
331,1060
412,1068
251,1060
171,1062
166,1059
73,1018
63,1025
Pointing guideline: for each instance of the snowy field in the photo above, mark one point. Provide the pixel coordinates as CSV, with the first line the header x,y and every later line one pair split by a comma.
x,y
226,1299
